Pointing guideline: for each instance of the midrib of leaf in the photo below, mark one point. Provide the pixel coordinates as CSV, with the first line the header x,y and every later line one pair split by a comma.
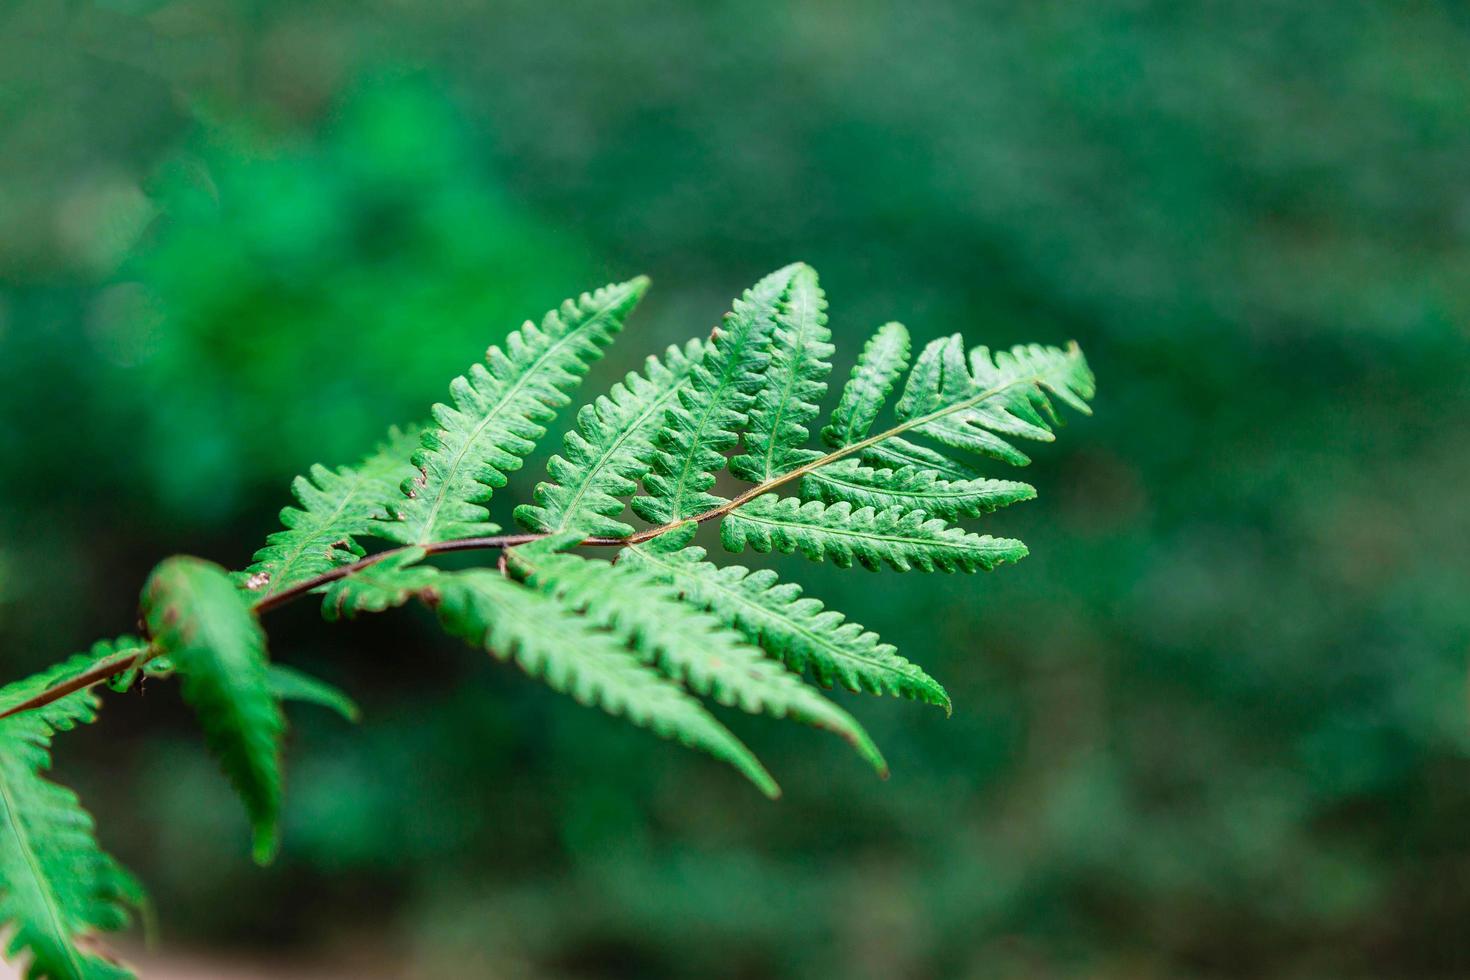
x,y
520,383
786,389
623,437
53,911
740,597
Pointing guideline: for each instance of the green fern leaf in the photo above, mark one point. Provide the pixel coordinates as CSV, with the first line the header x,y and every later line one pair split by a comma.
x,y
685,643
878,368
290,684
202,623
896,453
385,584
336,506
499,410
573,656
794,381
776,617
712,406
910,488
56,884
611,447
901,539
974,404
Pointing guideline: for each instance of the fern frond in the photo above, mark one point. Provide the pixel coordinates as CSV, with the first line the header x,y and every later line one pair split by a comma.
x,y
685,643
910,488
500,408
643,637
901,539
573,656
799,630
973,404
203,625
795,381
385,584
57,886
611,448
335,506
878,368
712,406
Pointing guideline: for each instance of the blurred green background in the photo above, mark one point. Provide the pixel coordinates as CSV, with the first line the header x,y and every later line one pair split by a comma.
x,y
1216,725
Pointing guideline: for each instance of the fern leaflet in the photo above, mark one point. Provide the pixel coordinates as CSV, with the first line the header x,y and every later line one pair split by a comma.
x,y
882,361
712,406
685,643
204,626
972,405
290,684
385,584
901,539
896,453
799,630
571,655
499,410
611,447
910,488
795,381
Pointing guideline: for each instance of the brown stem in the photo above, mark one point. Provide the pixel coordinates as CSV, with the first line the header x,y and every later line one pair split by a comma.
x,y
95,674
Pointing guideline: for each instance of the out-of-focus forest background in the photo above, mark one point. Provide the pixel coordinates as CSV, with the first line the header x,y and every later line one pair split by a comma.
x,y
1216,725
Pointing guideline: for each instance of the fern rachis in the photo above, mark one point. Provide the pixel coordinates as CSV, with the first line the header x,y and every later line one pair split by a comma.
x,y
649,637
